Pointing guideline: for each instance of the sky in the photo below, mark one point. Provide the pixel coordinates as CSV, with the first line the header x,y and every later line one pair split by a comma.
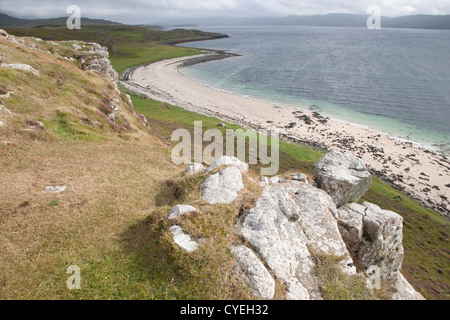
x,y
148,11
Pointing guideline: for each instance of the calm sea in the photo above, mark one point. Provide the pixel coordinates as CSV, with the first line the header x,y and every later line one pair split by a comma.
x,y
392,80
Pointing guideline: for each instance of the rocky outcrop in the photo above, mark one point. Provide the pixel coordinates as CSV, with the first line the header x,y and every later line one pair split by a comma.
x,y
343,176
253,272
180,210
289,220
222,187
373,236
403,290
374,239
102,65
293,223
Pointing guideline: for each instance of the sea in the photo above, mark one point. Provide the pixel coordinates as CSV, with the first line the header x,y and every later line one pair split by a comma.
x,y
392,80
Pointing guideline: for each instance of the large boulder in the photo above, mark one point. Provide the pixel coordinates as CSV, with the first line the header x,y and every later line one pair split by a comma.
x,y
343,176
222,187
374,239
253,272
226,161
289,220
299,177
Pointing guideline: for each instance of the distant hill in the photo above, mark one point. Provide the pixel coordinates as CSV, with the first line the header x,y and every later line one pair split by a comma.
x,y
328,20
356,20
11,22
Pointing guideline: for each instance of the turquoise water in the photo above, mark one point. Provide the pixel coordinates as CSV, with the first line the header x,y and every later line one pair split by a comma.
x,y
391,80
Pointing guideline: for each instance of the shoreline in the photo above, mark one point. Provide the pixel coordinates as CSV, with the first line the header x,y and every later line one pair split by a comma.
x,y
421,145
406,165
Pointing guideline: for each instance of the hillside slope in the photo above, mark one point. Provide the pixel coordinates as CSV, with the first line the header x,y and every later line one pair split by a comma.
x,y
59,133
65,124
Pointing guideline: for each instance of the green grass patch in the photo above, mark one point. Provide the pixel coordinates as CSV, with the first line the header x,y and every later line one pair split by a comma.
x,y
7,74
292,156
394,195
69,127
336,285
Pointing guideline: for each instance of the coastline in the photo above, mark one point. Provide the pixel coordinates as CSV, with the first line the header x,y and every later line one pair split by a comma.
x,y
413,169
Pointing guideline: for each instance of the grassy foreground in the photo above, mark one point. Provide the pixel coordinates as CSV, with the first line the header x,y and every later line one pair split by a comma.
x,y
112,220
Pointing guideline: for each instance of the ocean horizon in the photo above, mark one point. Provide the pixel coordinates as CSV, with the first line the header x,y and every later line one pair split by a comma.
x,y
395,81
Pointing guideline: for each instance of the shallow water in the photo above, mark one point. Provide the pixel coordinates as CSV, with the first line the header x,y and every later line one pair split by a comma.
x,y
393,80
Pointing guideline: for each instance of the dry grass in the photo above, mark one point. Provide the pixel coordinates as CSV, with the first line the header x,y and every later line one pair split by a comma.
x,y
111,176
211,266
109,189
112,220
336,285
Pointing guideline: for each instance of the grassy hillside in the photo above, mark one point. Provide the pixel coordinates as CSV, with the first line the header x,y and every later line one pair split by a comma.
x,y
128,45
111,220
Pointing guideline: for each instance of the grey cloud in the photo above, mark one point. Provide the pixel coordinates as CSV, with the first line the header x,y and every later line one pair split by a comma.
x,y
144,11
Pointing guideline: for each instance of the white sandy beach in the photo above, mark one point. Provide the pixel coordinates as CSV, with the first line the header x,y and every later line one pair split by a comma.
x,y
418,172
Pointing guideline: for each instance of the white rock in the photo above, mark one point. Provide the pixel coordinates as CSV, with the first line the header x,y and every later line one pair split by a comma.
x,y
276,179
264,181
373,236
55,189
347,266
404,290
222,187
288,220
183,240
180,210
194,168
296,291
3,34
2,124
6,95
20,66
299,177
253,272
226,161
343,176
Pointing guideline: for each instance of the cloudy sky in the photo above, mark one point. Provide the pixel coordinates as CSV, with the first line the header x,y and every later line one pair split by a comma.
x,y
147,11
